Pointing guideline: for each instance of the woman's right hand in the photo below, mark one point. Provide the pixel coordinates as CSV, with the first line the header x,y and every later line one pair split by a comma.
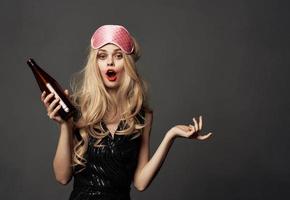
x,y
53,107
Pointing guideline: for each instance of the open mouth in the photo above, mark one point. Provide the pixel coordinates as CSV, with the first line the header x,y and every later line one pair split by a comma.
x,y
111,75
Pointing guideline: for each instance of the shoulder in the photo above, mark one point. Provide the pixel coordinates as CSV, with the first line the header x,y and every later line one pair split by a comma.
x,y
148,123
149,117
147,112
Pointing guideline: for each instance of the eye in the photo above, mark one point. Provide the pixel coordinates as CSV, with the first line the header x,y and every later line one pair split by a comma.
x,y
102,56
119,55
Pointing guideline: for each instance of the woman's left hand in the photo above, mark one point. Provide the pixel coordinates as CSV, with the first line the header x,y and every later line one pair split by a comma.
x,y
190,131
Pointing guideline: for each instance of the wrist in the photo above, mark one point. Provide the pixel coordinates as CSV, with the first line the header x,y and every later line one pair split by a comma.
x,y
171,135
65,124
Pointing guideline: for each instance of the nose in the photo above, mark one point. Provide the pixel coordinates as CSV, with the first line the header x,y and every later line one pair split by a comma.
x,y
110,61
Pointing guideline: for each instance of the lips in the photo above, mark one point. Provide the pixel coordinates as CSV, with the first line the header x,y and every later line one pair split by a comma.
x,y
111,75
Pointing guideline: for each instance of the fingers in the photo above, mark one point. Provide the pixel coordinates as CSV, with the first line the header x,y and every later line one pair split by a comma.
x,y
52,110
43,96
200,122
195,125
53,113
198,126
47,99
204,137
66,92
52,105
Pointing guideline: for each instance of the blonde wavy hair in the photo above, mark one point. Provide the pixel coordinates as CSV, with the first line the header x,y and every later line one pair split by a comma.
x,y
93,101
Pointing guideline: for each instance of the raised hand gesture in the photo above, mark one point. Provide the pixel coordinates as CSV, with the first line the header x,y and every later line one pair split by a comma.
x,y
190,131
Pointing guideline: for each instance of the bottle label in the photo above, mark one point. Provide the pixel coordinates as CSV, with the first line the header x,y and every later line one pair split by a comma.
x,y
63,105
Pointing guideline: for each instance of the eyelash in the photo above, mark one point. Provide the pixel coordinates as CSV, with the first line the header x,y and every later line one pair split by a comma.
x,y
102,56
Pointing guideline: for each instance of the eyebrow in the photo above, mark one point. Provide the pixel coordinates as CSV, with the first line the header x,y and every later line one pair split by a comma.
x,y
114,50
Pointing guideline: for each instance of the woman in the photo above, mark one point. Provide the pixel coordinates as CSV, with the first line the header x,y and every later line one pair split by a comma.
x,y
107,146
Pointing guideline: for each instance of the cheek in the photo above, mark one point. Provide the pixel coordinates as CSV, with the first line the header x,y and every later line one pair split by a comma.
x,y
119,63
101,67
121,68
122,73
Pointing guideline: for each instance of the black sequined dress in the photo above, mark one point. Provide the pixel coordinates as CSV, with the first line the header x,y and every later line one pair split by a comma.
x,y
110,169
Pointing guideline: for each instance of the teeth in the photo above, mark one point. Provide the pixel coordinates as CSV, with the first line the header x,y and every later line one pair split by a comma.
x,y
111,73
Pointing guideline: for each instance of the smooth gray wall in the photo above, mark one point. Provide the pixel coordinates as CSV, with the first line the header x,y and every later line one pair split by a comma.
x,y
225,60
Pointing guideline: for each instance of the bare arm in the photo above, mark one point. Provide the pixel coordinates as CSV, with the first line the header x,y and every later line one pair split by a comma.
x,y
147,169
62,159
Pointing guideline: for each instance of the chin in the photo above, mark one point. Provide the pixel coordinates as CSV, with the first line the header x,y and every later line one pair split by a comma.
x,y
112,86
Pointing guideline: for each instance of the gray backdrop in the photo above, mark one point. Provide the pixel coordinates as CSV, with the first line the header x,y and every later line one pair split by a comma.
x,y
225,60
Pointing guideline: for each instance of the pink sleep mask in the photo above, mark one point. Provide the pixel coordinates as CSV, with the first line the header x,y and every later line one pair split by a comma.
x,y
114,34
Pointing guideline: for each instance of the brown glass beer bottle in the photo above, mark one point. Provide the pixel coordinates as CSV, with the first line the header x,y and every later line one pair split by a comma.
x,y
49,85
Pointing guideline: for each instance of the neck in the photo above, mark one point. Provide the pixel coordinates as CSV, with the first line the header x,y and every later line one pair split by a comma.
x,y
112,91
112,117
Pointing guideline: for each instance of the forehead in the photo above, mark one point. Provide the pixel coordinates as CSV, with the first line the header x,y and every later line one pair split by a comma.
x,y
109,48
